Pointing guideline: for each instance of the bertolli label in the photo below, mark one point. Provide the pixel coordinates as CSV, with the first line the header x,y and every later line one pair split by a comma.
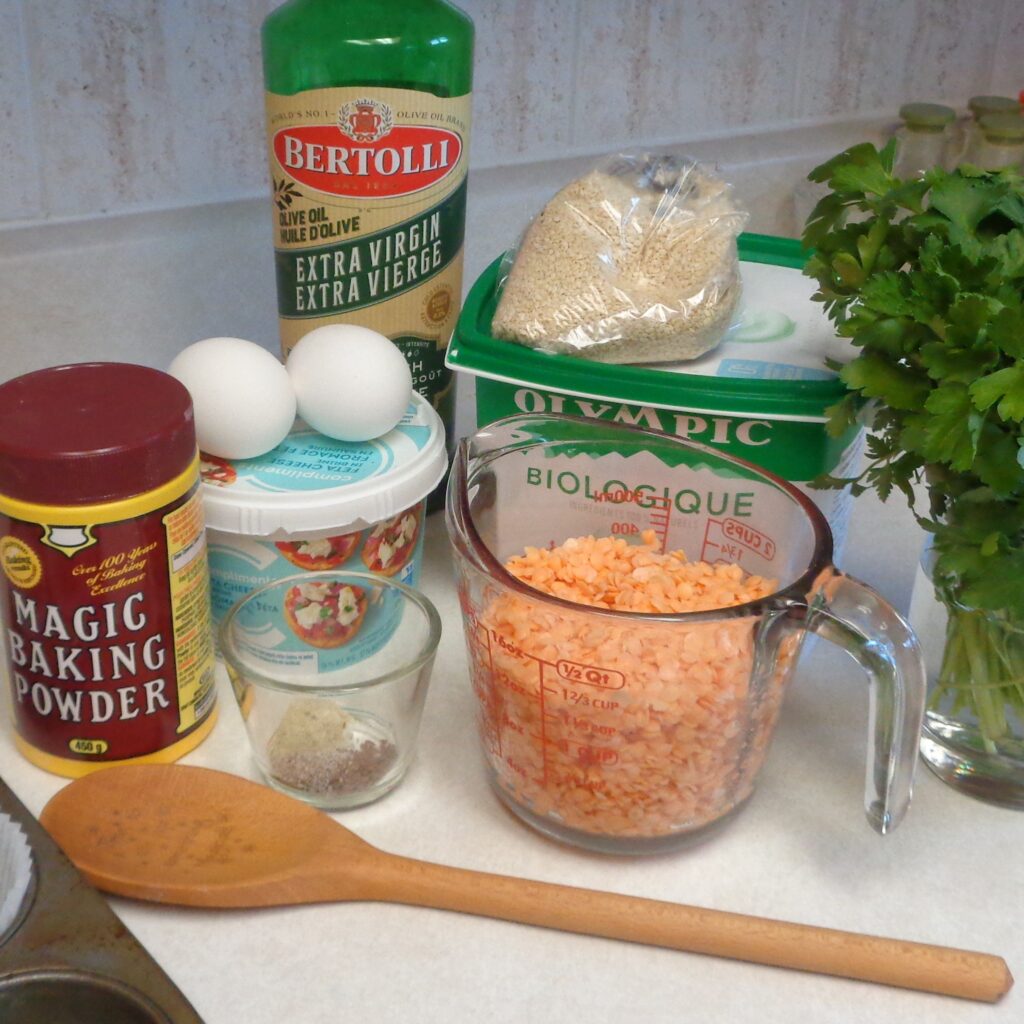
x,y
369,189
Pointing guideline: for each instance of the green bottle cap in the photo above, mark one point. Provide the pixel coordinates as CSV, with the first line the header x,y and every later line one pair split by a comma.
x,y
979,106
1003,128
927,117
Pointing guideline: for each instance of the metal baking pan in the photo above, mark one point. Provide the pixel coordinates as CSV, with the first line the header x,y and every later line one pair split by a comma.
x,y
66,958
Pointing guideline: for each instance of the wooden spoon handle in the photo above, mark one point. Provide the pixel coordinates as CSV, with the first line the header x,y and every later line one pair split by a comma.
x,y
914,965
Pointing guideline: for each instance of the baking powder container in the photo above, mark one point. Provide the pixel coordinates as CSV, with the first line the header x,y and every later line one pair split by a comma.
x,y
104,589
315,504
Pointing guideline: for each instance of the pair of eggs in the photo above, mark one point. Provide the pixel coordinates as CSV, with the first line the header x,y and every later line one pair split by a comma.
x,y
347,382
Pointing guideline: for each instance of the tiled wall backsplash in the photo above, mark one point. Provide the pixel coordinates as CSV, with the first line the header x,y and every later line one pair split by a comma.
x,y
117,105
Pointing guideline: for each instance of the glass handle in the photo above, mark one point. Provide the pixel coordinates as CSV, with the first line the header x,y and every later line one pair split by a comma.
x,y
850,614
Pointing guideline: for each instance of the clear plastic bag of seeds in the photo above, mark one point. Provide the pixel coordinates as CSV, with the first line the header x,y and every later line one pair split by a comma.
x,y
635,262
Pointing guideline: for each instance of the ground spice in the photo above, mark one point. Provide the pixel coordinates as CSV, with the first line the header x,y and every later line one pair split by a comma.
x,y
315,750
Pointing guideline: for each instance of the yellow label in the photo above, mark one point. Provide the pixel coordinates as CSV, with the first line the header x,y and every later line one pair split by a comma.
x,y
84,746
73,768
369,189
190,600
20,563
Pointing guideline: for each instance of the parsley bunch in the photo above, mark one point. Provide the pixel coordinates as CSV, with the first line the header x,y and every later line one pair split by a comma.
x,y
926,278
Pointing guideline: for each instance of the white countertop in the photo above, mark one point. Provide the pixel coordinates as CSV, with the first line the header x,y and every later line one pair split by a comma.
x,y
951,874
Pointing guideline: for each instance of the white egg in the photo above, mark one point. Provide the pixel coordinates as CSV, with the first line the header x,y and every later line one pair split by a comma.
x,y
241,393
350,383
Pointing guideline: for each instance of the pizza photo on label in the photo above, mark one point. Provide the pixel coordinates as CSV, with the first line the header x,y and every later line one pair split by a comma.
x,y
215,470
323,553
325,614
392,542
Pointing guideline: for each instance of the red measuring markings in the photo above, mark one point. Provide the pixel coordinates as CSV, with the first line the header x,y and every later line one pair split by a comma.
x,y
727,540
591,675
499,726
507,723
566,692
567,720
576,775
519,769
661,510
657,506
481,668
585,753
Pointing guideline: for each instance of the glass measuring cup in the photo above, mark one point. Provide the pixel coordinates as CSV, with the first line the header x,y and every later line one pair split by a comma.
x,y
628,732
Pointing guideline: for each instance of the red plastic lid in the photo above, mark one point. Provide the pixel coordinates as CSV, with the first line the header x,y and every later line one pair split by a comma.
x,y
90,433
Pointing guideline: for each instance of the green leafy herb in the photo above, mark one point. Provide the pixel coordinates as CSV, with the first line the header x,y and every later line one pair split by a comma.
x,y
926,278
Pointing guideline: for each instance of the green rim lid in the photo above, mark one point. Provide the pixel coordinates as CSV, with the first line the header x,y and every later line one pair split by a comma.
x,y
979,106
1003,127
931,117
474,349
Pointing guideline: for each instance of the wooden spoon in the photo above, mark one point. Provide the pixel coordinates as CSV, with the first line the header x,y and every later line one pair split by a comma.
x,y
202,838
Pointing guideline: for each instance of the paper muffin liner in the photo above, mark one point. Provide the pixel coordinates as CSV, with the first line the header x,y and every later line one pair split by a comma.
x,y
15,873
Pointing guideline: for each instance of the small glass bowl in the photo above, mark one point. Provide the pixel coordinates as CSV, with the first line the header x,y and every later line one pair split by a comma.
x,y
330,670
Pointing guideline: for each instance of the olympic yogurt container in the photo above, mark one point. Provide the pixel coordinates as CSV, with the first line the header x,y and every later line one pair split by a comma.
x,y
314,504
763,394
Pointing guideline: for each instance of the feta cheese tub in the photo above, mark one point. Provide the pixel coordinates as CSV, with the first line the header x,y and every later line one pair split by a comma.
x,y
761,395
314,503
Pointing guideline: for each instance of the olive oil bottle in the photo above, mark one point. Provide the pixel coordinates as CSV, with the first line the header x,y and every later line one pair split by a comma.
x,y
368,116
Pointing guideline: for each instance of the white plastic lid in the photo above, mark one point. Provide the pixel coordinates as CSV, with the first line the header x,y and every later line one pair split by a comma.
x,y
310,482
780,333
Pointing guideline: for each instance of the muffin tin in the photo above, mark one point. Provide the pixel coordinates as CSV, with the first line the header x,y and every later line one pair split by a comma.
x,y
65,956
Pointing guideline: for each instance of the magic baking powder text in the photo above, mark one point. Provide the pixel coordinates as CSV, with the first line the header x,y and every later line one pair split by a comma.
x,y
104,584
